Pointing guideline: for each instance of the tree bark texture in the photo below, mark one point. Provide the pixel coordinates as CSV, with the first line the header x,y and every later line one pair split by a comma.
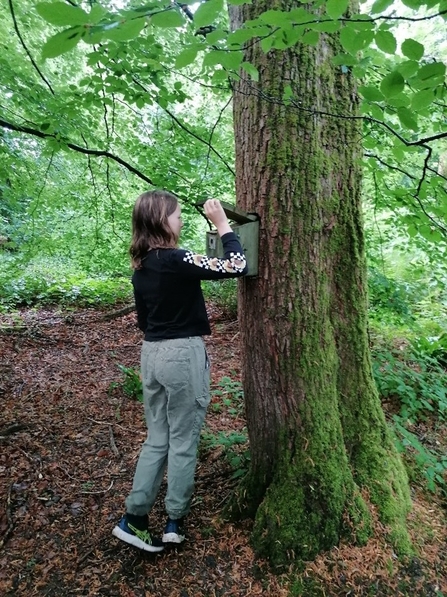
x,y
321,450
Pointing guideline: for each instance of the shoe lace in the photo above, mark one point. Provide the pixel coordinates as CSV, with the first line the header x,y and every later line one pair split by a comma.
x,y
143,535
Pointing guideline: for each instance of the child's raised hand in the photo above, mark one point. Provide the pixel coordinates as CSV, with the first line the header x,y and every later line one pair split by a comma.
x,y
214,212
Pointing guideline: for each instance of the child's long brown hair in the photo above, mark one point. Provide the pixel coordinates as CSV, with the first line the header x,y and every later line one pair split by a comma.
x,y
150,228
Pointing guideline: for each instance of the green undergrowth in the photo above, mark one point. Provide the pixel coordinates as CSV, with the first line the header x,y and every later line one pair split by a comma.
x,y
223,293
35,282
130,383
408,337
232,445
228,398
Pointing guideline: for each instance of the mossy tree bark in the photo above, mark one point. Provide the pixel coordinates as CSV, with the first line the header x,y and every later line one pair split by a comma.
x,y
321,450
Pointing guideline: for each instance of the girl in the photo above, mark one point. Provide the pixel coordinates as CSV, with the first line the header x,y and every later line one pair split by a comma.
x,y
175,368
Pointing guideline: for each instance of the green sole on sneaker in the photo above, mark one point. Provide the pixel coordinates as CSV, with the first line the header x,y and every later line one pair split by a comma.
x,y
135,541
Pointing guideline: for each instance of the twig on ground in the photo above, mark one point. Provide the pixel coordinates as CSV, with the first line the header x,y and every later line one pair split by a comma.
x,y
112,442
14,428
101,490
102,422
65,472
12,329
115,314
9,518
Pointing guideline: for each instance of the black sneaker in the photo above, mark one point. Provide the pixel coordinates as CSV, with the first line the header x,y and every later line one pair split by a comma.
x,y
174,531
136,537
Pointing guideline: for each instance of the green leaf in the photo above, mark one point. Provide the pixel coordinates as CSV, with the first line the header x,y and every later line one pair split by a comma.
x,y
392,84
288,93
359,71
167,18
96,13
422,99
311,38
336,8
239,2
267,43
375,111
369,142
140,101
347,39
93,35
344,60
216,36
208,12
232,60
386,42
251,70
399,100
240,36
408,68
186,56
428,232
371,93
412,49
277,18
62,42
219,76
381,5
434,70
300,15
354,41
408,119
363,22
61,14
126,30
291,35
416,4
326,26
229,60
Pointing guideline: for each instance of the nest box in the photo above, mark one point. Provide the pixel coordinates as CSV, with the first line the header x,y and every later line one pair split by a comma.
x,y
246,228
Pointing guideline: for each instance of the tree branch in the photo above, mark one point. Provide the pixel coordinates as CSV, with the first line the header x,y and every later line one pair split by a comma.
x,y
296,104
186,129
416,195
16,27
207,143
78,148
389,166
212,133
425,140
424,170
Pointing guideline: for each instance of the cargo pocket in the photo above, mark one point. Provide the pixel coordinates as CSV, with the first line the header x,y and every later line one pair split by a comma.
x,y
203,399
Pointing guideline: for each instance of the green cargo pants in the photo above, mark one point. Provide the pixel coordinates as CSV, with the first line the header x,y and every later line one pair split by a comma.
x,y
176,380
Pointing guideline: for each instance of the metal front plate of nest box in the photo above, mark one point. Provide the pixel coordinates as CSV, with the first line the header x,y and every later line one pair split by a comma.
x,y
246,228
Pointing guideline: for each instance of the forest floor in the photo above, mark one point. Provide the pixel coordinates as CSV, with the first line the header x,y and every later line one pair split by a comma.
x,y
69,439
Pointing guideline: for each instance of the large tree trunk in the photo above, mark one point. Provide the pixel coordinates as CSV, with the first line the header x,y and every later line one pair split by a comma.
x,y
321,449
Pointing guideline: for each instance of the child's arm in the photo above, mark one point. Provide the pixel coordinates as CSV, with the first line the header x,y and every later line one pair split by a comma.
x,y
232,264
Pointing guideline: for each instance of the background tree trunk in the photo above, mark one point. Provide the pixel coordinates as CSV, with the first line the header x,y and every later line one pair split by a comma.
x,y
320,446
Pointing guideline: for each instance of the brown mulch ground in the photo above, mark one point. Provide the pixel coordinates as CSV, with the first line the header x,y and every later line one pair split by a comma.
x,y
69,439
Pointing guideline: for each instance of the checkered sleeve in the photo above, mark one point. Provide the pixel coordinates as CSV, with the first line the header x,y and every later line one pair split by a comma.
x,y
235,264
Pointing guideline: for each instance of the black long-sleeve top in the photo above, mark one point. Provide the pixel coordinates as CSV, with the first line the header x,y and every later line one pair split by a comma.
x,y
168,296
